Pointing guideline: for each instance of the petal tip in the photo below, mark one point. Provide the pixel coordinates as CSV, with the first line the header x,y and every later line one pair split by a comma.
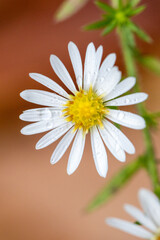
x,y
21,116
37,147
22,131
51,161
69,171
71,44
109,221
22,94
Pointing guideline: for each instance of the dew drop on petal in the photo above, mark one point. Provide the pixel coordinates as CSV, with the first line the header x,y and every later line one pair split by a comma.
x,y
120,115
117,148
49,125
127,100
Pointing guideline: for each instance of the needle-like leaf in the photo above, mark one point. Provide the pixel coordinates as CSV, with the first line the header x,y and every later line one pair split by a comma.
x,y
109,28
151,63
116,183
133,3
136,11
105,7
139,32
97,25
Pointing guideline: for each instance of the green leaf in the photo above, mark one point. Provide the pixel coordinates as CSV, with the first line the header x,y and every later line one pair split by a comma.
x,y
138,223
117,181
129,37
155,115
150,120
133,3
109,28
136,11
139,32
120,4
98,24
151,63
105,7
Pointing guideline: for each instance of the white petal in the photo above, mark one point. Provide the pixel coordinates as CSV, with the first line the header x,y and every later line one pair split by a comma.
x,y
128,100
107,64
98,57
140,217
76,152
41,126
121,88
151,205
62,73
34,115
128,227
76,62
99,54
62,146
43,98
101,80
99,153
53,135
112,145
49,83
119,136
126,119
109,82
89,66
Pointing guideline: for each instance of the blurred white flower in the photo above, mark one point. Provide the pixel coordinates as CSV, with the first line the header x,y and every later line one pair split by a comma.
x,y
149,218
68,8
87,109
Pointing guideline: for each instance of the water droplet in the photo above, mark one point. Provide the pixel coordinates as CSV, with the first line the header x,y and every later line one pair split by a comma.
x,y
121,115
114,103
46,114
101,79
117,147
127,100
99,154
49,125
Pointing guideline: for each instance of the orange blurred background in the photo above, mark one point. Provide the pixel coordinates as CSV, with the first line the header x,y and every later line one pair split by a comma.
x,y
40,201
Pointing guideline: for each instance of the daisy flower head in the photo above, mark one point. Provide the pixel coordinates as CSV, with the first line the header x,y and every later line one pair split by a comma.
x,y
149,218
88,108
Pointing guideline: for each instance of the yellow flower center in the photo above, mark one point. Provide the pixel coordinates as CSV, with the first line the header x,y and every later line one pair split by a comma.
x,y
157,235
86,109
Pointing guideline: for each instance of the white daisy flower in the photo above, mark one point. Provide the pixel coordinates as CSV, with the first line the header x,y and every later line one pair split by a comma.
x,y
87,108
149,218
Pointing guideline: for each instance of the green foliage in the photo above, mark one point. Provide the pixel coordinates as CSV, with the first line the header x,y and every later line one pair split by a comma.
x,y
133,3
152,119
117,182
109,28
105,7
139,32
99,24
136,11
151,63
119,16
138,223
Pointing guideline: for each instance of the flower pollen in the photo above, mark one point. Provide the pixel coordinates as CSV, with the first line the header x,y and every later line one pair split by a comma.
x,y
86,109
157,235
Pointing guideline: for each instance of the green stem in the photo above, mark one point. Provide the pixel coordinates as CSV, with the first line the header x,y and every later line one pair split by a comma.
x,y
155,114
115,183
150,163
